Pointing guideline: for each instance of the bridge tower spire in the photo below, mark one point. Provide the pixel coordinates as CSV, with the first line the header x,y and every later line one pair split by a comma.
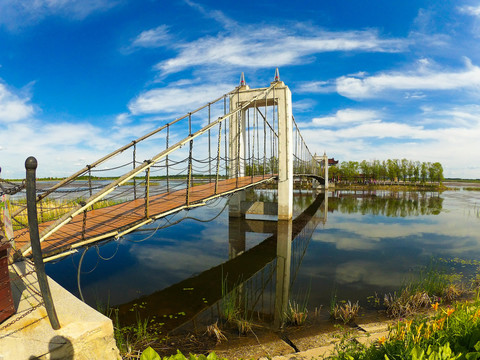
x,y
242,80
277,75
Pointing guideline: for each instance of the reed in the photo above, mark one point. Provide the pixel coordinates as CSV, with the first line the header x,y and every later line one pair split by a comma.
x,y
50,210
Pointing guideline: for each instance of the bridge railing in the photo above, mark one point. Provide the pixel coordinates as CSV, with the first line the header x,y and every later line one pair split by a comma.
x,y
304,161
194,149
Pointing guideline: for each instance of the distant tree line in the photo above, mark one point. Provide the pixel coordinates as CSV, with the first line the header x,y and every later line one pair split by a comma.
x,y
392,170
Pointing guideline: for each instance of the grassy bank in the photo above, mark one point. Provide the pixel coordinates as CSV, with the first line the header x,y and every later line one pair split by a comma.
x,y
432,296
451,332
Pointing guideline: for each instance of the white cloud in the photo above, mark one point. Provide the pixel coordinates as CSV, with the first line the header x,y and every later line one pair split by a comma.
x,y
176,98
270,47
449,135
381,130
304,105
421,79
317,87
470,10
17,14
216,15
347,116
13,107
368,273
152,38
122,119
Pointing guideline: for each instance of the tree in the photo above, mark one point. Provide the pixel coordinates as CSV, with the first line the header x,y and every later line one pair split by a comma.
x,y
349,169
393,169
416,171
384,170
333,172
366,169
404,169
411,170
435,172
376,170
424,171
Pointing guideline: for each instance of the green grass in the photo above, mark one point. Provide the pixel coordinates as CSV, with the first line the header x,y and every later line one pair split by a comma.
x,y
430,285
449,333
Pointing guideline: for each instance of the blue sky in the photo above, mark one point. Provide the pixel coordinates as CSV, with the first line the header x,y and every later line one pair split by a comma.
x,y
370,79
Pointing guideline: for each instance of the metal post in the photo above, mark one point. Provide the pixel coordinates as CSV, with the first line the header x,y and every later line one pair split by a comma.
x,y
134,162
147,192
84,222
189,175
166,158
31,166
226,144
209,148
89,179
218,155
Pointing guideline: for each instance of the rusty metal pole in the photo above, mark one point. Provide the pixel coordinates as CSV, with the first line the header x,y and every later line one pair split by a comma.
x,y
31,167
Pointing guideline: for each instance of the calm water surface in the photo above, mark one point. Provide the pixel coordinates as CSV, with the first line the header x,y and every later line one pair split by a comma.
x,y
349,244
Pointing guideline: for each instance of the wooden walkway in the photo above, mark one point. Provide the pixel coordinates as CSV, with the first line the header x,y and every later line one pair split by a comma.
x,y
111,221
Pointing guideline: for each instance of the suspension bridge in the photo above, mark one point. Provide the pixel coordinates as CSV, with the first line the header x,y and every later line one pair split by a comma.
x,y
244,138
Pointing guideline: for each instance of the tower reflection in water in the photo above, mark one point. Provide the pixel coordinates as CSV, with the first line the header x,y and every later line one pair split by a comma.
x,y
255,281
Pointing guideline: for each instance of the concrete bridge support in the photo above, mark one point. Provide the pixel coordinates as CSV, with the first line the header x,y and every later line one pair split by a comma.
x,y
280,98
325,164
284,261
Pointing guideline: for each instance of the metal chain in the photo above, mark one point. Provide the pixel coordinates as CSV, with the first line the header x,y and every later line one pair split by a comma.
x,y
19,234
12,190
26,274
29,311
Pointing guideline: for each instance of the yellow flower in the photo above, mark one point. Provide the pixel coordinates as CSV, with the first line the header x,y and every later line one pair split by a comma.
x,y
408,323
440,323
450,311
435,306
382,340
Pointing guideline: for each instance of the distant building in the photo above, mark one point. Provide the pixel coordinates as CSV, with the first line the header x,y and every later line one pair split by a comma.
x,y
332,162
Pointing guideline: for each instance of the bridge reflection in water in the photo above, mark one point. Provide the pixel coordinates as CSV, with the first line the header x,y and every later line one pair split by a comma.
x,y
257,280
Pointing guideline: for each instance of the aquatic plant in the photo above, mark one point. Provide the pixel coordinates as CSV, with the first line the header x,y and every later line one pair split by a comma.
x,y
296,314
132,338
345,311
235,308
430,285
406,303
214,331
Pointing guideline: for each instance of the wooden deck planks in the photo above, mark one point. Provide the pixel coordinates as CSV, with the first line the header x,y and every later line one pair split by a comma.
x,y
116,218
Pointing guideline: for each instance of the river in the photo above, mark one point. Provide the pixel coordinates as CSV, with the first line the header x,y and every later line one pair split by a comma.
x,y
348,245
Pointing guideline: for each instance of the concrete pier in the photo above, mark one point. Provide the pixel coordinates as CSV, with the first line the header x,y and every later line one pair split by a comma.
x,y
280,102
85,334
